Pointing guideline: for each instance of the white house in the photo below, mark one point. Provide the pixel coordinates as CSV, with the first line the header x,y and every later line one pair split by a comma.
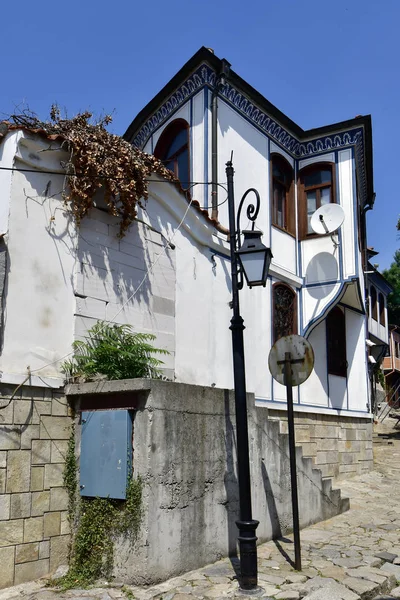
x,y
171,273
316,285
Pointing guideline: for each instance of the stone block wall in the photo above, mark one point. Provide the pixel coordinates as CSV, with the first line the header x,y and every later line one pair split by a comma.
x,y
340,447
34,528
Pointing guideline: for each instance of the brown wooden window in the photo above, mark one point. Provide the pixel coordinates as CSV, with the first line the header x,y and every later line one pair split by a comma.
x,y
173,149
284,311
317,187
381,300
283,214
336,342
374,303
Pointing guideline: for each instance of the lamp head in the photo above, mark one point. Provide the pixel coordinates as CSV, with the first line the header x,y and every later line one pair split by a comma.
x,y
255,258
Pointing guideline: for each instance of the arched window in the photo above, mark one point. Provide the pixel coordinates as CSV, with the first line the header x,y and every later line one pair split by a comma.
x,y
284,310
173,149
374,306
283,213
381,300
336,342
317,187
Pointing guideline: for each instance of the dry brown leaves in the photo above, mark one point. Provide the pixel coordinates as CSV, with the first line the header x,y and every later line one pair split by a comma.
x,y
99,159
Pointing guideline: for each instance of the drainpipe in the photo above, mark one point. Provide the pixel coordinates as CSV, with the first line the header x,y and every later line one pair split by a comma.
x,y
219,84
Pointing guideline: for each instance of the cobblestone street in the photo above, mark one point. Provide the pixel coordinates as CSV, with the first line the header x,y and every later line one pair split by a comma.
x,y
354,555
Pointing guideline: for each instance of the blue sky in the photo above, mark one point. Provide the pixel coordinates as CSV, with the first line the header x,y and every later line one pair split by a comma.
x,y
318,61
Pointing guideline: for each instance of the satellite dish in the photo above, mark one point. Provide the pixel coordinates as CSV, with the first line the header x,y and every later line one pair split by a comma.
x,y
327,219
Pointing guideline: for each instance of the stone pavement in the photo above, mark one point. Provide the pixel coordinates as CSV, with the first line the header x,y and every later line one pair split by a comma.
x,y
351,556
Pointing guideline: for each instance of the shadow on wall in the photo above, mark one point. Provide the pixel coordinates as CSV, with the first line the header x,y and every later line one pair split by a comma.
x,y
231,487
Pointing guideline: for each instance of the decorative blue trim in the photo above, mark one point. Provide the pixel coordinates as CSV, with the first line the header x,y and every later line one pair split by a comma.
x,y
347,369
316,406
204,76
348,307
336,299
355,214
206,146
191,139
340,233
301,328
218,253
323,283
328,391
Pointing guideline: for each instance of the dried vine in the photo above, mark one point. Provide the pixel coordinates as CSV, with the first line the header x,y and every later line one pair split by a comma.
x,y
98,159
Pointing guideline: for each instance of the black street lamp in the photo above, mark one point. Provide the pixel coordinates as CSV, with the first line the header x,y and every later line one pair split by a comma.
x,y
252,259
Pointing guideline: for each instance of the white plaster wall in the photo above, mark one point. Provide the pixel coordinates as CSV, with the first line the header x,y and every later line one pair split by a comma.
x,y
314,391
250,161
316,299
8,149
129,280
357,361
197,148
274,148
346,197
39,302
337,392
330,157
283,248
320,260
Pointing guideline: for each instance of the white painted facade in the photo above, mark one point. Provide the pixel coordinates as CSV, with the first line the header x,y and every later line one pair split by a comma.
x,y
61,279
324,272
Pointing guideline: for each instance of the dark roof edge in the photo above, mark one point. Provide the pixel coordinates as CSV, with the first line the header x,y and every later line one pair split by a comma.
x,y
205,55
381,278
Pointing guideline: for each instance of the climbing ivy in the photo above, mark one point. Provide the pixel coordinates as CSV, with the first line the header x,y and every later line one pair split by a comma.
x,y
99,522
70,475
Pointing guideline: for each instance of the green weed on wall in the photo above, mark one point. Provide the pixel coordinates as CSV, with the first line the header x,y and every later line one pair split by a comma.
x,y
96,523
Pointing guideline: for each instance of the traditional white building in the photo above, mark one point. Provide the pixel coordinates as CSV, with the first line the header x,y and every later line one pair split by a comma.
x,y
316,285
171,273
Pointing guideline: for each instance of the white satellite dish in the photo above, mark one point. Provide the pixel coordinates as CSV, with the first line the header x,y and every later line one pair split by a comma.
x,y
327,219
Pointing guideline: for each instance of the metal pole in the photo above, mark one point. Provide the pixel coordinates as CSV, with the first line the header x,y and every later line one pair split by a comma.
x,y
292,452
247,526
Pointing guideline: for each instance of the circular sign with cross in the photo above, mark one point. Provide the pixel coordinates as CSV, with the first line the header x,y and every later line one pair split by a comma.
x,y
298,352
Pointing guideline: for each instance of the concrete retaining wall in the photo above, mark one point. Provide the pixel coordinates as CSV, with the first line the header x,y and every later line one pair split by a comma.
x,y
340,447
34,529
185,450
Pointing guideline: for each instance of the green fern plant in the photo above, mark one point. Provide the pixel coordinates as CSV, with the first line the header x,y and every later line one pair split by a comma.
x,y
115,351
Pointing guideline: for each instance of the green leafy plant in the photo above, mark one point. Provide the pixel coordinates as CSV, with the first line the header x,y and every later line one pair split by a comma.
x,y
100,522
115,351
71,475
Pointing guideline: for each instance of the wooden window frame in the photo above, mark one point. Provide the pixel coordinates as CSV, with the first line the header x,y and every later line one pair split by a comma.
x,y
374,303
302,204
333,366
289,215
165,140
294,324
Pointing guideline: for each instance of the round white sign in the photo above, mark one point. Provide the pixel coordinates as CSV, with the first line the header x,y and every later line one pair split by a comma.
x,y
301,359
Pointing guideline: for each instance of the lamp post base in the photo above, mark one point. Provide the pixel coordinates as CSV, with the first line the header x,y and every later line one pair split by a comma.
x,y
248,555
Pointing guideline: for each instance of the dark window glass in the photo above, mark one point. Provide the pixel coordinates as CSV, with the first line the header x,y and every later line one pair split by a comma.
x,y
282,192
317,186
284,299
318,177
182,161
381,309
173,149
336,342
177,143
374,307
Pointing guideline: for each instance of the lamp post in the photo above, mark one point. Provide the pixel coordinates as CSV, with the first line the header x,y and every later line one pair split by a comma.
x,y
252,259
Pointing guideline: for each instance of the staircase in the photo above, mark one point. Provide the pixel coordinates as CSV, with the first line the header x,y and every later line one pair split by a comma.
x,y
320,489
